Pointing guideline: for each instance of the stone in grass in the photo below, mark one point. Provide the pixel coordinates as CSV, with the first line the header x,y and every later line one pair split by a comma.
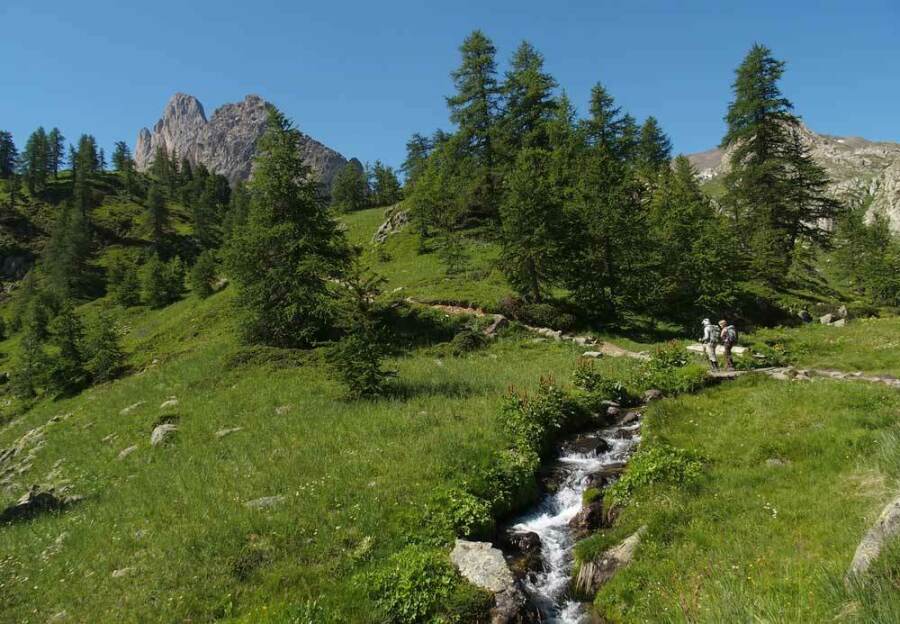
x,y
121,572
484,566
885,529
652,395
221,433
127,410
593,574
162,434
169,403
776,462
34,502
266,502
125,452
281,410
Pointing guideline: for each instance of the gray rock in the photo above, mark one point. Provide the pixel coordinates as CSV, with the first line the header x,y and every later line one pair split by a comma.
x,y
839,323
842,312
125,452
169,403
496,325
652,395
162,434
484,566
221,433
827,319
589,519
34,502
593,574
886,528
226,143
127,410
396,220
122,572
776,462
265,502
630,418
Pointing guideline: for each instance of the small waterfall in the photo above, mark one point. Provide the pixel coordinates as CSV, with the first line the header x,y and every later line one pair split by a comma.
x,y
548,588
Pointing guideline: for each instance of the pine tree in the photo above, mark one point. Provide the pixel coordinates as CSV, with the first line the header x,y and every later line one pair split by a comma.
x,y
654,149
238,207
67,369
67,255
203,274
105,359
357,358
531,216
474,109
9,155
162,283
57,146
385,185
122,280
157,217
606,124
285,259
528,103
86,164
205,215
121,158
417,150
350,190
36,161
809,209
32,366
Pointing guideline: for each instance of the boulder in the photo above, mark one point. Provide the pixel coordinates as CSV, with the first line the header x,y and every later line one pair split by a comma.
x,y
395,222
842,312
589,519
651,395
886,528
839,323
484,566
589,445
496,325
34,502
827,319
613,411
265,502
162,433
526,542
593,574
630,418
169,403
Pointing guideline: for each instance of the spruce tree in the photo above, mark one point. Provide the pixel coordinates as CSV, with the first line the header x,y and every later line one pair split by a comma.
x,y
606,124
474,110
284,260
528,103
203,274
57,146
122,280
205,215
32,366
809,208
654,149
417,150
531,216
157,217
105,359
67,369
9,155
350,190
36,161
385,185
68,252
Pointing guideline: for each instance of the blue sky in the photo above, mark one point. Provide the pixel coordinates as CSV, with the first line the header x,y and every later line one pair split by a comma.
x,y
363,76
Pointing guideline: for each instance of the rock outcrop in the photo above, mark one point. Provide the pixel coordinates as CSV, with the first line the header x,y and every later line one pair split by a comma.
x,y
886,528
593,574
226,143
484,566
855,166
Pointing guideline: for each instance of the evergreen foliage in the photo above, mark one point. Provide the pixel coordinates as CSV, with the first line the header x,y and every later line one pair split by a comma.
x,y
203,274
9,155
123,282
67,372
284,259
162,283
105,359
386,190
350,190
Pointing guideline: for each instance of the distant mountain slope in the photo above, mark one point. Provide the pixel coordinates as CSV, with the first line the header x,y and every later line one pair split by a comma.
x,y
226,143
854,165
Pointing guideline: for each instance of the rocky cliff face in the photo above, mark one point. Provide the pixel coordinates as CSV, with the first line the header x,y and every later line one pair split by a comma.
x,y
226,143
854,165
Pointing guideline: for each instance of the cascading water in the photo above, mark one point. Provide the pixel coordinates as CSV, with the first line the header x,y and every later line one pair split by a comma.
x,y
547,588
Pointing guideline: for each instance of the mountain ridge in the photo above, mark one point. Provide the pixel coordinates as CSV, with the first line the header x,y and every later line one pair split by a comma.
x,y
855,165
225,142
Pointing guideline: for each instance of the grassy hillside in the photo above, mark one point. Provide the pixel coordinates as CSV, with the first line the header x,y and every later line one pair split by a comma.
x,y
165,533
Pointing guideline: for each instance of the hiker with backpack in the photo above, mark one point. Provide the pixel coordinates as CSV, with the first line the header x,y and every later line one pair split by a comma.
x,y
709,341
728,337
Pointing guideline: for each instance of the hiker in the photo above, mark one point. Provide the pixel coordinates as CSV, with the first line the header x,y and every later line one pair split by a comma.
x,y
709,340
728,337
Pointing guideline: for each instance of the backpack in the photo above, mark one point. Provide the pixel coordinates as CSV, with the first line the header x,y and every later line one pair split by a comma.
x,y
731,335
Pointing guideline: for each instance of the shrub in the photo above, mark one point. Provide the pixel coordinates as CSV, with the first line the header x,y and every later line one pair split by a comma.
x,y
598,387
162,282
546,315
510,307
509,483
532,422
668,370
660,464
466,514
123,283
413,585
467,341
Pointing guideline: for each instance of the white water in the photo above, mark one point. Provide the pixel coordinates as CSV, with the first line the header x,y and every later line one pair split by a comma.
x,y
550,520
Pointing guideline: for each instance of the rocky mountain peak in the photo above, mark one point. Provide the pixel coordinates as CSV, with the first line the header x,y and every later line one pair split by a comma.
x,y
855,165
226,143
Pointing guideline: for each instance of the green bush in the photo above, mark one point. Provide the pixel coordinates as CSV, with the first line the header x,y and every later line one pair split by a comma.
x,y
669,371
597,386
660,464
533,422
467,341
203,274
466,514
416,585
546,315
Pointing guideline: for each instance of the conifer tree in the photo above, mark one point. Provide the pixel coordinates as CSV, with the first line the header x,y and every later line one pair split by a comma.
x,y
67,369
350,190
474,109
238,207
157,217
606,124
417,150
57,150
285,259
36,161
654,149
121,158
809,207
531,216
528,103
385,185
203,274
205,215
9,155
105,358
66,258
122,280
32,366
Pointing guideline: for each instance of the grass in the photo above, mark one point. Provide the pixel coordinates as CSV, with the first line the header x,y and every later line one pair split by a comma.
x,y
751,541
355,476
868,345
